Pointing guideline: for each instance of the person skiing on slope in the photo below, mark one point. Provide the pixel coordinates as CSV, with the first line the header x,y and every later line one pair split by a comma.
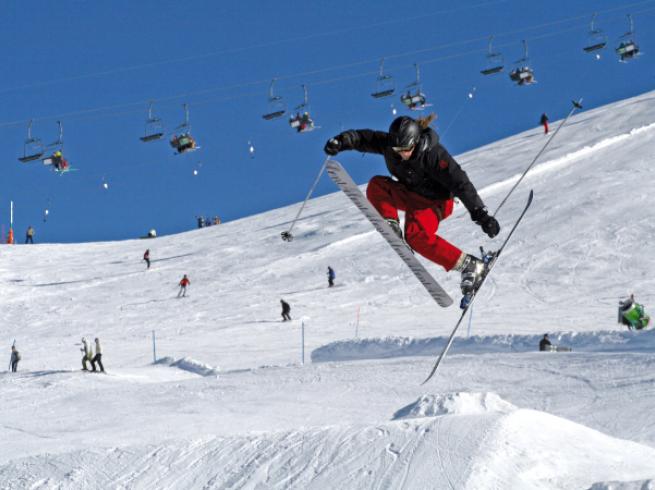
x,y
146,257
87,354
427,180
331,275
98,357
13,360
286,310
544,122
184,282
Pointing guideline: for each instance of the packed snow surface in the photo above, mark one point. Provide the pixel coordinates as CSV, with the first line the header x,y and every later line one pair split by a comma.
x,y
228,396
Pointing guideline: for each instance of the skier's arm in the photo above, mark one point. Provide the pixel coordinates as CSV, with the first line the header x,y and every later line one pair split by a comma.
x,y
458,182
363,140
456,179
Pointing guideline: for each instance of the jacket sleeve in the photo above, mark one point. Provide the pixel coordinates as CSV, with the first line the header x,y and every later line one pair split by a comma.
x,y
451,174
364,140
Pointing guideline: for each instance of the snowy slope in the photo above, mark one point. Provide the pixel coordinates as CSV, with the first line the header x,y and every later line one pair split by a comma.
x,y
231,405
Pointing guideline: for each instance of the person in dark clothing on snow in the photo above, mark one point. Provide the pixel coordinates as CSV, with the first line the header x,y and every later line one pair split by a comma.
x,y
427,179
331,275
286,309
13,360
544,343
97,358
146,257
544,122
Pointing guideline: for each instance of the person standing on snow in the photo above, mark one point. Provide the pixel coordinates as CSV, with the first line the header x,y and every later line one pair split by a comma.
x,y
331,275
544,122
146,257
427,180
29,235
13,360
544,343
87,355
184,282
286,310
97,358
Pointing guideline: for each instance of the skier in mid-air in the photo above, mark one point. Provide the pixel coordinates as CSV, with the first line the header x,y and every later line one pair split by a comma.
x,y
427,178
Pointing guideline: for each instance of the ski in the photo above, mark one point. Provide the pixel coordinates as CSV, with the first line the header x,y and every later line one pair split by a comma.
x,y
475,294
346,184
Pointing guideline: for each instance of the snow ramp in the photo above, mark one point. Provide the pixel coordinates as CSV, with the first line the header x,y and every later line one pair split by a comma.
x,y
473,441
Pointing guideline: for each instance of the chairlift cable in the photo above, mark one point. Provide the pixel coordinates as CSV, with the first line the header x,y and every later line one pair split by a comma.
x,y
99,110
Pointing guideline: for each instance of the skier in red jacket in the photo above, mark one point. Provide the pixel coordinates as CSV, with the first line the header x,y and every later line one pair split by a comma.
x,y
184,282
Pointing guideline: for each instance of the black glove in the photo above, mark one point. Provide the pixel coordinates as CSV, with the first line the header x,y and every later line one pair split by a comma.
x,y
333,146
489,224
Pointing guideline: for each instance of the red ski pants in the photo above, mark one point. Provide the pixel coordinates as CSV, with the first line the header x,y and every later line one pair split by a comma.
x,y
422,217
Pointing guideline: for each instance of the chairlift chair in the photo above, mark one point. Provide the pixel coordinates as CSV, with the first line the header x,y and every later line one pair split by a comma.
x,y
33,148
415,101
153,128
597,39
384,84
302,121
523,74
495,61
628,48
56,159
182,141
276,106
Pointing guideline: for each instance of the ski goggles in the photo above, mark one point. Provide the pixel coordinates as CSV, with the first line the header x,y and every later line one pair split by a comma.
x,y
399,149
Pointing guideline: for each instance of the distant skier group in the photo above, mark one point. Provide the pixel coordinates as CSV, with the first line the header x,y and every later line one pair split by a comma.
x,y
88,355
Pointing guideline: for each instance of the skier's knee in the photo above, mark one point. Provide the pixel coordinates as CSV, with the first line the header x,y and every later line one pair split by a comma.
x,y
377,183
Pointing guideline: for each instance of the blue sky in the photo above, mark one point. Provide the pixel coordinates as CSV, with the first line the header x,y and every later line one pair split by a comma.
x,y
94,65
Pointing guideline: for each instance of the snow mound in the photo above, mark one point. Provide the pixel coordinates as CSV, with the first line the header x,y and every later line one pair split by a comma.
x,y
632,485
461,403
519,450
387,347
191,365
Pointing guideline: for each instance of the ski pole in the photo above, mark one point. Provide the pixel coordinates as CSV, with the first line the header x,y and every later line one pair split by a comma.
x,y
286,235
576,105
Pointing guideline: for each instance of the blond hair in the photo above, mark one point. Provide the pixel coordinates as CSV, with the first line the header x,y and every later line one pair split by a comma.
x,y
425,121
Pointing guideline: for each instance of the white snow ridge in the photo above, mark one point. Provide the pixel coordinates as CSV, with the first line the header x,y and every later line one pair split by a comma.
x,y
454,404
498,415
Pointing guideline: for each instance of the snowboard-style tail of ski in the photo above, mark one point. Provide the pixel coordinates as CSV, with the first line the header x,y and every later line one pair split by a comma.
x,y
346,184
475,294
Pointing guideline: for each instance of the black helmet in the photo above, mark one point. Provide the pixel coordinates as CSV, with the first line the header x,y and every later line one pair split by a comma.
x,y
404,132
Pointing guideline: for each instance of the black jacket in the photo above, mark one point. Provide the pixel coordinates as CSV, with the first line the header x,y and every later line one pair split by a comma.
x,y
431,172
544,344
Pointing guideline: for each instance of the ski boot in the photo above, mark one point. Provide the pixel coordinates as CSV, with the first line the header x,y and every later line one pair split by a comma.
x,y
474,271
395,226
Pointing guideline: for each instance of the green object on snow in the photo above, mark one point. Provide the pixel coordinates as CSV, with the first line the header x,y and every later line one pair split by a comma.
x,y
636,316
